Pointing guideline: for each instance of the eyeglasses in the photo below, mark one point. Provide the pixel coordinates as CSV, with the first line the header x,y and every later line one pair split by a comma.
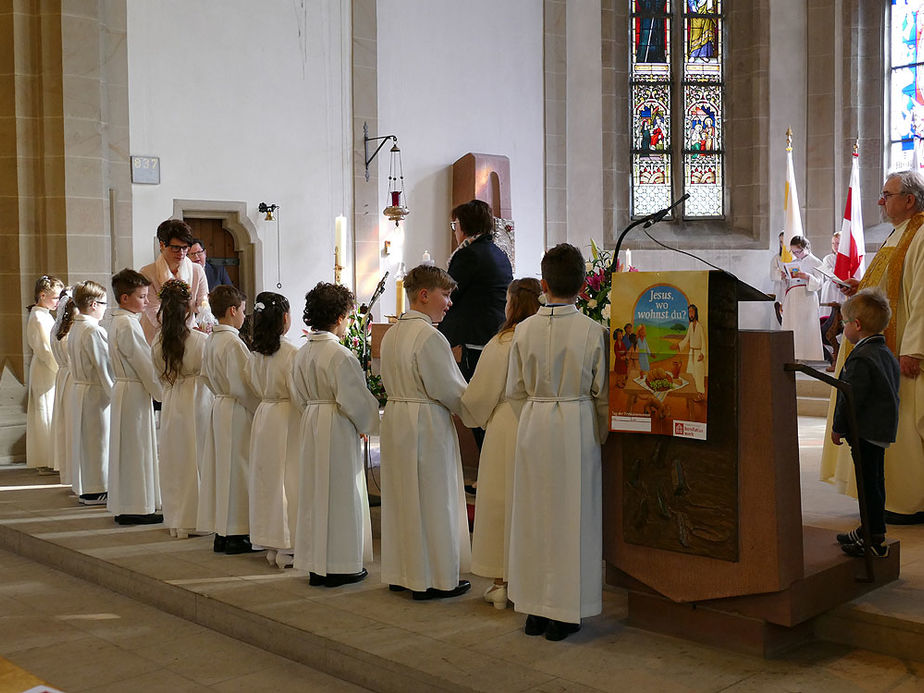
x,y
196,253
886,195
844,323
179,248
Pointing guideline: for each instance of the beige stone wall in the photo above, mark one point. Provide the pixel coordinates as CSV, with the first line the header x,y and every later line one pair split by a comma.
x,y
65,190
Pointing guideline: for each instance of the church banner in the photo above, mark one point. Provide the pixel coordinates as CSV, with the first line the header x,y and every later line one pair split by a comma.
x,y
659,356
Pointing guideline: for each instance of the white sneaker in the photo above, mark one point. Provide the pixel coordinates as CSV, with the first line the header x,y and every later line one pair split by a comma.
x,y
271,556
285,559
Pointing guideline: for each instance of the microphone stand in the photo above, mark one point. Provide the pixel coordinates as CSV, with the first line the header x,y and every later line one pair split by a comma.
x,y
366,311
648,221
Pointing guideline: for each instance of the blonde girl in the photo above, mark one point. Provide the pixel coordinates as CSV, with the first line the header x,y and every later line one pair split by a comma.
x,y
484,404
42,372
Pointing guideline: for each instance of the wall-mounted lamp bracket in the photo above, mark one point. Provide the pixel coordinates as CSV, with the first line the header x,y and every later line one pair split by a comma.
x,y
367,140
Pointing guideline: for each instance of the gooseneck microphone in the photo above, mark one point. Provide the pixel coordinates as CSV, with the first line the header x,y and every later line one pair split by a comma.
x,y
648,221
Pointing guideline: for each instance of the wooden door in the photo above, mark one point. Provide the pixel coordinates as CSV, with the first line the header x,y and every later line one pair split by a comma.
x,y
219,246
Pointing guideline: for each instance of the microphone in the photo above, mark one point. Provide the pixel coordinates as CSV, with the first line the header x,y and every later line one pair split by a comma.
x,y
659,216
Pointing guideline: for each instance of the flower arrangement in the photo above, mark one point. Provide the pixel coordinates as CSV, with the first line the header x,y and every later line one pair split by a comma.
x,y
358,339
594,299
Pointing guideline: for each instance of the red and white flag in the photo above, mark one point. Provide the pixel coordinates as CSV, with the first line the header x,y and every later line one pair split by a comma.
x,y
850,261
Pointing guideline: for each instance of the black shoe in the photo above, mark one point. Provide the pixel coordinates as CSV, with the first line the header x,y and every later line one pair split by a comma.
x,y
535,625
316,580
433,593
473,490
559,630
856,535
239,543
93,498
219,544
149,519
338,579
856,550
397,588
900,519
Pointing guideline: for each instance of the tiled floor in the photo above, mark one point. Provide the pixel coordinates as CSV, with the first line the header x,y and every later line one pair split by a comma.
x,y
79,636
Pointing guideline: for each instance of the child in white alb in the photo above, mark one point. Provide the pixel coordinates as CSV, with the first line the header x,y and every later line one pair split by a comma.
x,y
42,371
274,440
134,486
91,373
334,535
224,506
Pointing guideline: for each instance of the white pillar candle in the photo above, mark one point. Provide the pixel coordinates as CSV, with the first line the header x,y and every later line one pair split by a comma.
x,y
340,238
628,259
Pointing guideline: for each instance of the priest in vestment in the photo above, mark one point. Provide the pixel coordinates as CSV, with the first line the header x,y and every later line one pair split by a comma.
x,y
898,268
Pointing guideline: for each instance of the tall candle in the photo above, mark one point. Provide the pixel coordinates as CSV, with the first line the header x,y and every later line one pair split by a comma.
x,y
399,296
628,259
340,238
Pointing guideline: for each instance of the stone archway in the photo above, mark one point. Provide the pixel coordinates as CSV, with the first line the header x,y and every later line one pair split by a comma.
x,y
238,224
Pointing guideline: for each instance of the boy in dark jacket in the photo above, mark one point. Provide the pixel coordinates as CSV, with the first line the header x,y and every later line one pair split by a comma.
x,y
872,371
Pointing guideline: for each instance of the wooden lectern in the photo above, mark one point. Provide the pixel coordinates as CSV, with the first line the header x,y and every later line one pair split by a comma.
x,y
748,577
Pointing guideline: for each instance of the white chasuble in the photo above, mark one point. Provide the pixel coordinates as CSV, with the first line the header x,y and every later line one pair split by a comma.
x,y
904,459
60,431
334,532
557,385
91,373
800,311
274,451
185,424
224,506
485,405
42,372
134,486
425,540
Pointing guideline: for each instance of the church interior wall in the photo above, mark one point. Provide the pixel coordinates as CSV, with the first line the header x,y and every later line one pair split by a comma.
x,y
460,78
246,102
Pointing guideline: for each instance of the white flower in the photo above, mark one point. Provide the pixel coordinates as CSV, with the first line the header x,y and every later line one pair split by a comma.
x,y
605,313
589,266
592,303
542,299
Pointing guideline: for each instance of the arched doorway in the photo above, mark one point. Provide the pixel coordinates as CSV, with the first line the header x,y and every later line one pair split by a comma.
x,y
231,217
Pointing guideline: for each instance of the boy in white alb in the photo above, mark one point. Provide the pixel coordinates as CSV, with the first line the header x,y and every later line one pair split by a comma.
x,y
223,487
557,385
425,541
91,371
134,487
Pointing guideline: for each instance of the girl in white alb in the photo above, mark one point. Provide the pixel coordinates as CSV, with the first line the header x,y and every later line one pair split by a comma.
x,y
485,405
184,417
42,372
274,448
60,422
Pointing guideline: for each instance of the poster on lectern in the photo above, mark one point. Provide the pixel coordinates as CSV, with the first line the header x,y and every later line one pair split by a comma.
x,y
659,353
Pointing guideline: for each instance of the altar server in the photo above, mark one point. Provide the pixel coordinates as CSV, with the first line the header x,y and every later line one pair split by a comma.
x,y
185,415
425,541
60,421
334,535
134,486
557,386
800,305
223,494
91,370
42,371
485,404
274,440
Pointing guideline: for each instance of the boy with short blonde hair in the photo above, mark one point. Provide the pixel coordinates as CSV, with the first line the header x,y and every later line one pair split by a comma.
x,y
224,499
425,539
557,386
873,373
134,485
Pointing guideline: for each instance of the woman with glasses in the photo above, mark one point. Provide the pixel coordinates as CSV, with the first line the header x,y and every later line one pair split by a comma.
x,y
175,238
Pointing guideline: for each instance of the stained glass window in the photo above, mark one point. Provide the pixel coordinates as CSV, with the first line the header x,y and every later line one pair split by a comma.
x,y
682,154
906,120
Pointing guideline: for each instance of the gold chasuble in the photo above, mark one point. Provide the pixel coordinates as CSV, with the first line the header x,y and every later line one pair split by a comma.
x,y
898,269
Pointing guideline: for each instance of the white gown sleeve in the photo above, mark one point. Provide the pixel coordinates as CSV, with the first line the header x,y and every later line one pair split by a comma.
x,y
439,373
353,397
136,351
487,387
516,387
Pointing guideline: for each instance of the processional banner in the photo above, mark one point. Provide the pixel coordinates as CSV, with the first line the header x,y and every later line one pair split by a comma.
x,y
659,355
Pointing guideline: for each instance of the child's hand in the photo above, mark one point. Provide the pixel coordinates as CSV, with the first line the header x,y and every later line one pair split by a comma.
x,y
836,438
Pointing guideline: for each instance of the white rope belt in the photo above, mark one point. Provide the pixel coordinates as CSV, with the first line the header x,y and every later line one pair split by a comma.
x,y
320,401
416,400
575,398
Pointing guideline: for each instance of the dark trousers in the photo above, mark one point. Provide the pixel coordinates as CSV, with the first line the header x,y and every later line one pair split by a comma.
x,y
467,367
871,467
